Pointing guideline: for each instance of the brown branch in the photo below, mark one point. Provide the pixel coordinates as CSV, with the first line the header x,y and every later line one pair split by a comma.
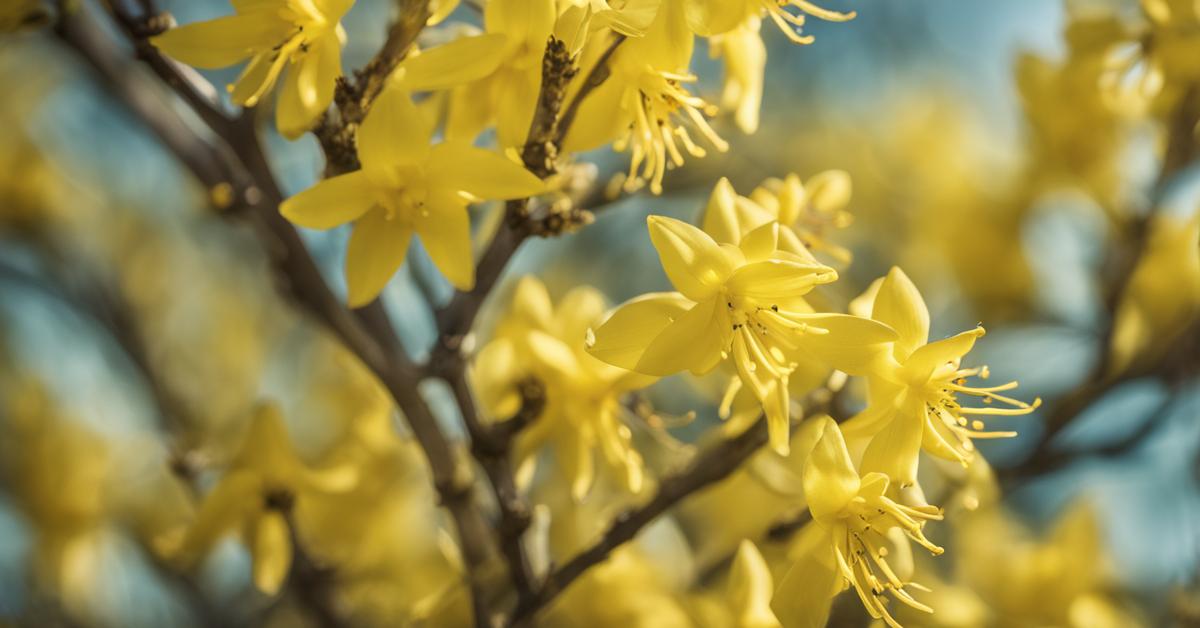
x,y
595,78
336,130
706,469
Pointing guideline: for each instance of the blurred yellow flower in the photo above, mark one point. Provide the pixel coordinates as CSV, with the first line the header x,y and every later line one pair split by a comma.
x,y
1163,294
255,495
407,187
855,528
913,400
739,303
751,588
583,409
714,17
305,36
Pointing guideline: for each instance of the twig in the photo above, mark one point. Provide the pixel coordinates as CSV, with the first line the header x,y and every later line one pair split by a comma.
x,y
595,78
707,468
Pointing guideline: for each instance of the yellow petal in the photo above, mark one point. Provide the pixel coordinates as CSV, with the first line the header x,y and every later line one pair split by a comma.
x,y
805,593
830,480
237,496
929,357
516,98
855,345
272,552
461,61
221,42
470,110
521,21
482,173
751,588
308,89
579,309
694,263
445,231
692,342
257,78
394,133
713,17
331,202
531,303
899,305
630,329
829,191
720,215
552,354
895,451
778,280
375,252
760,244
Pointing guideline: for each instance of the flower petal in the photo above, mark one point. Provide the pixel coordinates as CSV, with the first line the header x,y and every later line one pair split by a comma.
x,y
461,61
751,588
623,338
853,344
830,480
778,280
394,132
221,42
376,251
805,593
693,261
482,173
445,231
692,342
331,202
895,451
272,551
929,357
521,21
899,305
308,88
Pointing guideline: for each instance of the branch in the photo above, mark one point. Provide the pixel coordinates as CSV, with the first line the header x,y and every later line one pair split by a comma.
x,y
1181,151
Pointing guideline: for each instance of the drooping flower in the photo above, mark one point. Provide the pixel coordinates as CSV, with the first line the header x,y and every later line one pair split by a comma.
x,y
644,106
300,40
914,395
855,528
806,212
745,58
583,413
406,187
743,304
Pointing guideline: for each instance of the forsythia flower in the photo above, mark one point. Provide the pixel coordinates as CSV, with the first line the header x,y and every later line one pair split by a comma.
x,y
406,187
715,17
305,36
508,94
739,303
266,475
913,400
643,105
745,61
583,395
847,542
805,211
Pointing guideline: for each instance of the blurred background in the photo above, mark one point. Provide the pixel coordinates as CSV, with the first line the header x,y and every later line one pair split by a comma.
x,y
1013,157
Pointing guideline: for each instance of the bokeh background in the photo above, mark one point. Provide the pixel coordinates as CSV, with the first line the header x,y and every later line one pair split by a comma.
x,y
138,330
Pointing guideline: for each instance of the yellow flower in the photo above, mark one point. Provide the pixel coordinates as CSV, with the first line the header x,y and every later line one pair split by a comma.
x,y
253,497
805,212
507,95
644,107
750,589
406,187
856,527
583,408
714,17
742,304
913,395
305,36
